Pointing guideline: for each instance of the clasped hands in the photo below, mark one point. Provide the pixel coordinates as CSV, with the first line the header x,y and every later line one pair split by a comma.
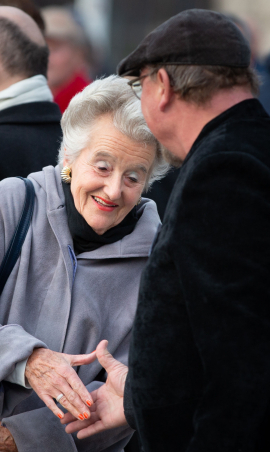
x,y
50,374
107,411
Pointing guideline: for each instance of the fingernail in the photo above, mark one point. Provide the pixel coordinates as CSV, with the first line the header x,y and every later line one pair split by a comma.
x,y
60,415
89,403
81,417
85,415
93,352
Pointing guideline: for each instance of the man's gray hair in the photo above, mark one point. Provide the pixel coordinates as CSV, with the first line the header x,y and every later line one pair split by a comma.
x,y
198,84
113,96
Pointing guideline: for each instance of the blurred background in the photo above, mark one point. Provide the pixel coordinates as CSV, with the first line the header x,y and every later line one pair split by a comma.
x,y
88,38
115,27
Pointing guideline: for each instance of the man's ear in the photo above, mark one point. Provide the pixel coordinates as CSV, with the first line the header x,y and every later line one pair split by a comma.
x,y
166,91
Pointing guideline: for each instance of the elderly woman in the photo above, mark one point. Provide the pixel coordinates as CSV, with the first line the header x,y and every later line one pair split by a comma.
x,y
76,280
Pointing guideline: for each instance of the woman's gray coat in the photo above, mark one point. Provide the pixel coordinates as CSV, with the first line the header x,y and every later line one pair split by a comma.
x,y
66,303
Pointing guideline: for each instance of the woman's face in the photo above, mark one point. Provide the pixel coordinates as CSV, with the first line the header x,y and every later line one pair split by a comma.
x,y
109,175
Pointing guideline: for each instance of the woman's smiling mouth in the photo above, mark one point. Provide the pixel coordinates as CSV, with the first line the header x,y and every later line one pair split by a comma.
x,y
102,204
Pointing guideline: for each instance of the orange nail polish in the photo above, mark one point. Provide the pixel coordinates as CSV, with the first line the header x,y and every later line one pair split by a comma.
x,y
60,415
85,415
81,417
93,352
89,403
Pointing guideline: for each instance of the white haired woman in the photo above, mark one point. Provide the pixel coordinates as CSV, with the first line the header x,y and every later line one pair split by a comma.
x,y
76,280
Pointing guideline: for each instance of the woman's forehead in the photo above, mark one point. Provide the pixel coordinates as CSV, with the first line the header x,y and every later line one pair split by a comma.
x,y
107,141
115,158
140,161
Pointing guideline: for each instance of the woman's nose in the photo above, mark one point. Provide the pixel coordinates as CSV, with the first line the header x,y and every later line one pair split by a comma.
x,y
113,187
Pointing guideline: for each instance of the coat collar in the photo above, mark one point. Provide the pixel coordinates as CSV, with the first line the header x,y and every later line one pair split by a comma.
x,y
247,109
31,113
49,180
136,244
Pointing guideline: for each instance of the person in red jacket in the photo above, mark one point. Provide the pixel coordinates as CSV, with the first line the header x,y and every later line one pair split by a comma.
x,y
68,71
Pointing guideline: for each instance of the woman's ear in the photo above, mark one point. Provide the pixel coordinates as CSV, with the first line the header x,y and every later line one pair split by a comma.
x,y
65,161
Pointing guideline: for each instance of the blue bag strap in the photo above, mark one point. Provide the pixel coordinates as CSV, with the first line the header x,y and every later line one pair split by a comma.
x,y
19,235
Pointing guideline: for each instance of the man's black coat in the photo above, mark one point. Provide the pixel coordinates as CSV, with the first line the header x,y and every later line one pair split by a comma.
x,y
30,135
200,352
161,190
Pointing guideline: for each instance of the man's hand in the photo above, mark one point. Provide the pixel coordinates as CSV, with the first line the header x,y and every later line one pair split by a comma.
x,y
7,443
107,411
50,374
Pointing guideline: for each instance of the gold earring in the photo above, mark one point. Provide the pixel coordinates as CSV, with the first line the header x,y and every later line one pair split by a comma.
x,y
66,174
139,202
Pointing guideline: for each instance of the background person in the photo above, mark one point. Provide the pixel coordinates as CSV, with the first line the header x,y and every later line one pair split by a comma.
x,y
29,8
29,119
69,59
77,277
199,356
265,86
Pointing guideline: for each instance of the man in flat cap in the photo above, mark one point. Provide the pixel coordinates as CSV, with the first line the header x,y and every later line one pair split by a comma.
x,y
199,378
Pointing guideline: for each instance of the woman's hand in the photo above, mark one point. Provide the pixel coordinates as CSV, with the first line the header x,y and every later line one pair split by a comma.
x,y
107,411
50,374
7,443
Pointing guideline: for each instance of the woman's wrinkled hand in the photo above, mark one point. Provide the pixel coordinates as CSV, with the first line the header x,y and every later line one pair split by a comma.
x,y
7,443
50,374
107,411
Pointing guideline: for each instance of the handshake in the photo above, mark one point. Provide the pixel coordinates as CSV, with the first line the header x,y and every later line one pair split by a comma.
x,y
107,410
104,406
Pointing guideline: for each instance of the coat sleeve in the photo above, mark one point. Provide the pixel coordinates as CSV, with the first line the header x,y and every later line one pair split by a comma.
x,y
15,343
201,357
15,346
128,404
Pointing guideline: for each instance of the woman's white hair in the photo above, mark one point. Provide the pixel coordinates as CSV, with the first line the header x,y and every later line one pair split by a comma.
x,y
111,95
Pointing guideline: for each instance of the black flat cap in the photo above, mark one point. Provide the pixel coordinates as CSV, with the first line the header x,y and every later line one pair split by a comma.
x,y
194,36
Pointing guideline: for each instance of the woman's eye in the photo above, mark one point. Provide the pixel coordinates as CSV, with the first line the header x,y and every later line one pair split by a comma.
x,y
102,166
133,177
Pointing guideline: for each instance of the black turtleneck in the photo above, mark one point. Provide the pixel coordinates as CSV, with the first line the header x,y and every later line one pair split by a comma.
x,y
84,237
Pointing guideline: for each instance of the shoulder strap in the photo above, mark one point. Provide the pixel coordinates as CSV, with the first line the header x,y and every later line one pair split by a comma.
x,y
19,235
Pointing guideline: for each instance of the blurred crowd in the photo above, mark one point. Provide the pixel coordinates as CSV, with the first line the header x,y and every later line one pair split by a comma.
x,y
262,65
73,62
73,59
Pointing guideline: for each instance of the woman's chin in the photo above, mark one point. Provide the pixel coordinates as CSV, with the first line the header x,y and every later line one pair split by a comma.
x,y
99,228
98,221
100,231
